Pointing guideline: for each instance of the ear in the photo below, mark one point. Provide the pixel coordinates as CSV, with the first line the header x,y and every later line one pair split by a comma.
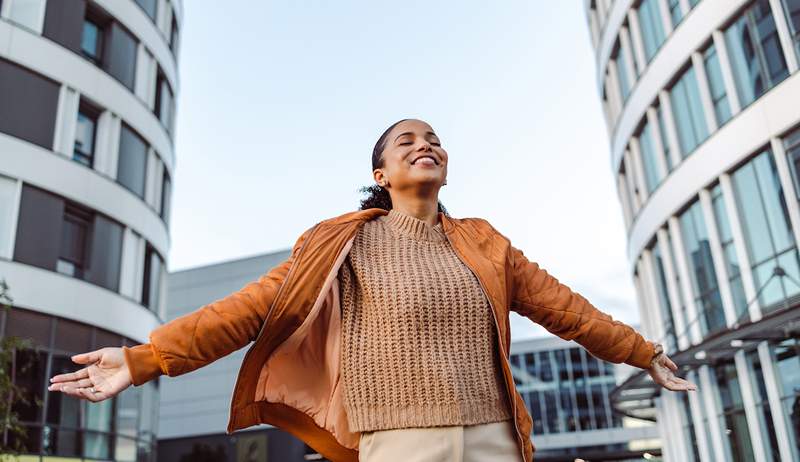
x,y
379,177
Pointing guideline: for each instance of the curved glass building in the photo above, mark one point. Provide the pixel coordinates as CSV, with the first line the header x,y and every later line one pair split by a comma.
x,y
702,104
87,117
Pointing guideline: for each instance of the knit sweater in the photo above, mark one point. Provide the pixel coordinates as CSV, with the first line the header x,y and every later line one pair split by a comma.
x,y
419,345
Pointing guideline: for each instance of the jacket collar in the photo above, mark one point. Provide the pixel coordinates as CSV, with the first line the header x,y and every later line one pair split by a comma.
x,y
448,223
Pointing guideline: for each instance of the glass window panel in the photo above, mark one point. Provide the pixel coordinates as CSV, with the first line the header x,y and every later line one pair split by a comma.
x,y
149,7
121,59
755,52
652,29
92,40
652,172
622,72
61,442
688,112
570,423
132,164
663,298
125,449
63,409
716,85
27,13
29,374
701,268
792,11
97,445
84,139
551,411
675,11
664,141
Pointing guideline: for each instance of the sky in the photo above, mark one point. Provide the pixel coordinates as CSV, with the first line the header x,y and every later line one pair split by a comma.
x,y
281,103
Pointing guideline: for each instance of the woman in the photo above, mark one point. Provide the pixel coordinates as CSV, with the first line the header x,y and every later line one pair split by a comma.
x,y
385,335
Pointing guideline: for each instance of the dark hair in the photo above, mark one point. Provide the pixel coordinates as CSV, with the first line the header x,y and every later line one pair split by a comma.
x,y
378,196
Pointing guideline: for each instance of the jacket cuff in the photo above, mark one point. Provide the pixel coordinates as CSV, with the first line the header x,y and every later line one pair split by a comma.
x,y
642,354
143,363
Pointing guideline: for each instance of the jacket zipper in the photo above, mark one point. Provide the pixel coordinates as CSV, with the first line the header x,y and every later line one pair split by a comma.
x,y
272,305
502,351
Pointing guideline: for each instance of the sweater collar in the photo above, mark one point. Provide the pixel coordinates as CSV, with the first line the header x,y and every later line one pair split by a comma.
x,y
413,227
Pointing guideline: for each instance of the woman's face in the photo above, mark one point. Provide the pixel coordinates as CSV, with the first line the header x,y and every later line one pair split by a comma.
x,y
413,157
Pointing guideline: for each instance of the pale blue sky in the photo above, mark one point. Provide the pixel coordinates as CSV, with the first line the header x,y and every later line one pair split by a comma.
x,y
282,102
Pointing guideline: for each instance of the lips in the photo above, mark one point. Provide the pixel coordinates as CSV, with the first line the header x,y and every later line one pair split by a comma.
x,y
423,157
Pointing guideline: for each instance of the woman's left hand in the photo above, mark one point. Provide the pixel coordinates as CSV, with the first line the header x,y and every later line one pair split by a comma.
x,y
662,370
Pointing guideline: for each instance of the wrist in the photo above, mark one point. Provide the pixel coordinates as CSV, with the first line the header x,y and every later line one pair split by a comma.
x,y
658,350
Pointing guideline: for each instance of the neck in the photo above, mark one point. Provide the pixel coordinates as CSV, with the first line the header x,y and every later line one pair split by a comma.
x,y
425,210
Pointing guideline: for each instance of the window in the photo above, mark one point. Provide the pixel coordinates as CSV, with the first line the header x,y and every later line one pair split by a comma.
x,y
652,29
92,40
74,242
60,235
755,52
166,195
132,165
716,85
28,103
763,412
664,304
675,12
153,265
733,416
792,145
791,9
767,230
165,103
688,112
27,13
85,134
150,7
109,45
729,253
786,356
662,129
652,172
622,71
702,274
173,36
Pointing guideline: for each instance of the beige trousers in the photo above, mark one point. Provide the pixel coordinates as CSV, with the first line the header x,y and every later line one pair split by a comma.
x,y
493,442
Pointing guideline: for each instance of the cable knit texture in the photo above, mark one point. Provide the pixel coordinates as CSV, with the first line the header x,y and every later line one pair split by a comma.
x,y
419,344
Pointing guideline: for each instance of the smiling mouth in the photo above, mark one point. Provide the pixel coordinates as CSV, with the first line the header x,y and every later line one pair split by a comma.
x,y
433,159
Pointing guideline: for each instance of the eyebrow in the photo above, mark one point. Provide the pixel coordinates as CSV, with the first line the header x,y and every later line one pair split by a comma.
x,y
411,133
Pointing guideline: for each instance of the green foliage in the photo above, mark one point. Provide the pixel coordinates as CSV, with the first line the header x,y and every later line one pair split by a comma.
x,y
12,395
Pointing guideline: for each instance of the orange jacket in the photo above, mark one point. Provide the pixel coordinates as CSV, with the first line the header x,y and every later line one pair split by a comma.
x,y
290,375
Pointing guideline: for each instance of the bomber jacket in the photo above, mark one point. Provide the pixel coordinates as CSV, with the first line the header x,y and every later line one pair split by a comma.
x,y
290,375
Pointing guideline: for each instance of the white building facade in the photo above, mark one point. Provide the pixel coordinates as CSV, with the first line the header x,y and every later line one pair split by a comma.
x,y
702,104
87,117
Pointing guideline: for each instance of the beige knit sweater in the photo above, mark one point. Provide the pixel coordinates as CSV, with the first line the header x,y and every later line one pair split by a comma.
x,y
419,344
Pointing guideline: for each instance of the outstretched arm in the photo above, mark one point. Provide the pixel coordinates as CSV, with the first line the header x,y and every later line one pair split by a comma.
x,y
217,329
540,297
543,299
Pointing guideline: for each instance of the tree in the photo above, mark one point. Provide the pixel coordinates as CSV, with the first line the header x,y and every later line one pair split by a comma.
x,y
12,395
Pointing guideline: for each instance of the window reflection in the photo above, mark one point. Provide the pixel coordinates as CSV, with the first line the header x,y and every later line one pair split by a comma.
x,y
701,270
732,419
687,108
755,53
767,229
729,253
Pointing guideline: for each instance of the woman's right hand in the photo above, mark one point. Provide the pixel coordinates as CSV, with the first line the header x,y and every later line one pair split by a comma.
x,y
106,372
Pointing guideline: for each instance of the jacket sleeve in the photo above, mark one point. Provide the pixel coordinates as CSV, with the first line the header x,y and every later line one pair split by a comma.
x,y
541,298
212,331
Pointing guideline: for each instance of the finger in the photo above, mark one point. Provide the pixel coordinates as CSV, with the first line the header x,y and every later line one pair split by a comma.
x,y
87,358
71,391
73,384
671,364
79,374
